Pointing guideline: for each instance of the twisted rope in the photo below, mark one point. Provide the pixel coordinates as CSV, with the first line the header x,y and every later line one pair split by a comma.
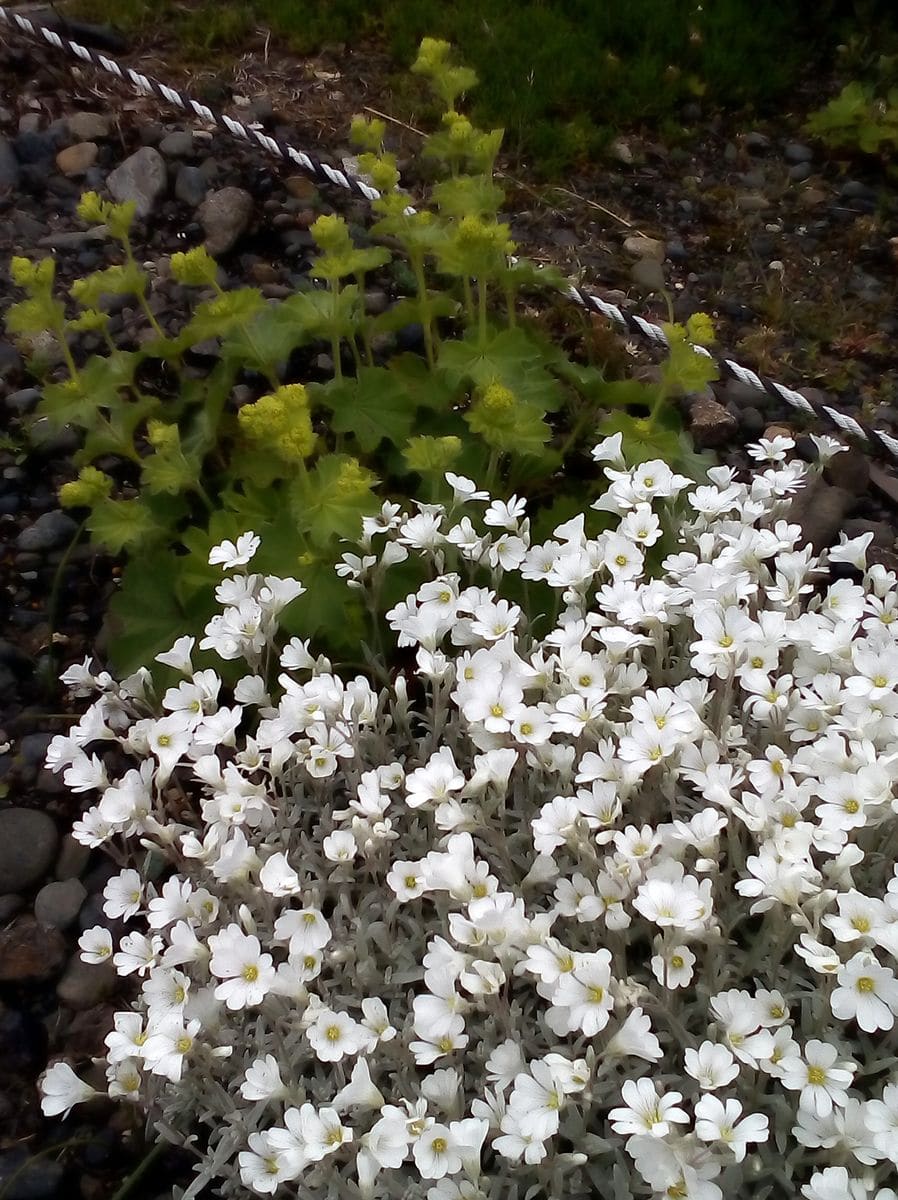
x,y
877,441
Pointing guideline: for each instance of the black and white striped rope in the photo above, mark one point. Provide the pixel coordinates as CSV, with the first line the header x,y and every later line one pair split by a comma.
x,y
877,441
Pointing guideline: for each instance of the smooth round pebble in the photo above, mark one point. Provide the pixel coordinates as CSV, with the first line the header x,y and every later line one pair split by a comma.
x,y
58,903
28,843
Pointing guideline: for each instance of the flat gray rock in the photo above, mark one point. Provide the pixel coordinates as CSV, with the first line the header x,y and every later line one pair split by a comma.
x,y
142,178
57,904
89,126
28,843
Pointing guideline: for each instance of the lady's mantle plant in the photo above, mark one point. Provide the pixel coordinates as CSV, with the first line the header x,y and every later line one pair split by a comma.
x,y
598,904
172,463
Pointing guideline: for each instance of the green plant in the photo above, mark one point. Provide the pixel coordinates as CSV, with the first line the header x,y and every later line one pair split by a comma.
x,y
302,463
858,119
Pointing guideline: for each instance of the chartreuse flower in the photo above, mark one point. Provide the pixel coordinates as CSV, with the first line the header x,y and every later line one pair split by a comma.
x,y
281,422
88,489
431,455
341,258
367,133
194,268
119,217
125,279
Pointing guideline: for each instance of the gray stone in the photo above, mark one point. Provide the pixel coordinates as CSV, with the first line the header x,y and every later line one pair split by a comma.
x,y
620,151
73,859
9,166
820,510
645,247
179,144
77,160
28,842
142,178
191,185
51,529
34,148
376,302
58,903
85,984
648,275
710,424
752,202
225,215
752,421
800,172
850,470
89,126
853,189
23,401
756,143
797,152
30,122
32,748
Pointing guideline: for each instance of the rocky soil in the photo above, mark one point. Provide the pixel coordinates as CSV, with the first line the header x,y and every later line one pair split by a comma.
x,y
793,252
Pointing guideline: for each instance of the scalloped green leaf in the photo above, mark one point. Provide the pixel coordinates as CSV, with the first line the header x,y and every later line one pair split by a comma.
x,y
371,407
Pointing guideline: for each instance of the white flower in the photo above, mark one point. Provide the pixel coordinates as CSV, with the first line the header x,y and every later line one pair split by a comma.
x,y
821,1080
334,1035
834,1183
246,972
718,1121
340,846
167,1046
95,944
262,1080
673,968
278,878
867,993
263,1167
712,1066
305,929
227,555
435,1153
360,1092
123,895
61,1090
646,1112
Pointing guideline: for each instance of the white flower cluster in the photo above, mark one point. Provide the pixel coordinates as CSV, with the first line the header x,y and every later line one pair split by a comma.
x,y
599,899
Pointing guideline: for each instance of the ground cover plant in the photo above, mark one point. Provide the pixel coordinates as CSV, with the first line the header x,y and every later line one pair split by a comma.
x,y
486,394
593,898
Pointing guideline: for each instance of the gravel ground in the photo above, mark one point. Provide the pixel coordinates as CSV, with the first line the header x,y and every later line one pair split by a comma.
x,y
721,208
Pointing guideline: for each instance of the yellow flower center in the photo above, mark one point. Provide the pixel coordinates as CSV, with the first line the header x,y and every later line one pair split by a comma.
x,y
445,1044
621,560
497,710
866,985
880,681
140,1038
757,662
180,995
726,641
271,1166
309,962
250,973
851,806
479,891
411,881
596,995
309,918
164,739
526,728
816,1076
677,962
438,1145
777,766
183,1044
335,1137
655,753
861,924
332,1033
469,673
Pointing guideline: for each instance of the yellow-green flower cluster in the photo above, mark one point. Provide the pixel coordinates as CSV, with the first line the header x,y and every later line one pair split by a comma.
x,y
484,236
431,455
353,479
126,279
367,133
194,268
33,276
497,399
88,489
119,217
281,422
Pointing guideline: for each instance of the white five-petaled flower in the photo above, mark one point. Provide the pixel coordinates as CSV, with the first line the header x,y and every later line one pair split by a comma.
x,y
229,555
246,973
61,1090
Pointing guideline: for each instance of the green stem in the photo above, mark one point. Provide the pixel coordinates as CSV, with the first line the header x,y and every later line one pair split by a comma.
x,y
53,601
469,301
417,262
141,295
140,1170
481,311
